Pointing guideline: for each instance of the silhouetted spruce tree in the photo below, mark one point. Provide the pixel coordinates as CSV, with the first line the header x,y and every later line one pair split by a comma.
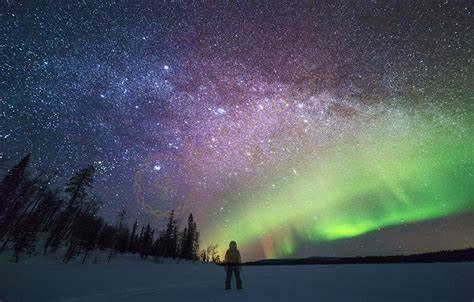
x,y
24,237
80,230
119,227
76,189
150,243
21,223
90,235
183,244
190,240
146,242
140,239
195,250
24,232
159,246
193,238
171,237
19,206
123,240
106,237
52,208
11,182
133,238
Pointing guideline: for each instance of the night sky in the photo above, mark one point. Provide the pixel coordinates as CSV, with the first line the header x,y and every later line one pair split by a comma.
x,y
295,128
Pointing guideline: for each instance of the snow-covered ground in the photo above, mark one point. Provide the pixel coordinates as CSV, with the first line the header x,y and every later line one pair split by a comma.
x,y
129,279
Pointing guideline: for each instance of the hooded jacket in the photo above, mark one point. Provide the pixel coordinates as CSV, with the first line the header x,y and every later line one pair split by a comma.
x,y
232,256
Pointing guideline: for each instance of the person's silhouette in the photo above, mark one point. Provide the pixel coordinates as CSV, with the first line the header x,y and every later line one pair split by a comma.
x,y
232,265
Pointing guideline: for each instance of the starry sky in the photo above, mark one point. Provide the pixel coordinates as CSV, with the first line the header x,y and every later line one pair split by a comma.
x,y
297,128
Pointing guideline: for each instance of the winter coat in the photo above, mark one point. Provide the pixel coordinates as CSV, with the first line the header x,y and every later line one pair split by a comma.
x,y
232,256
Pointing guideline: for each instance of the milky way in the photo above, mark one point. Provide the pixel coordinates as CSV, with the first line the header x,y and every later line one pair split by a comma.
x,y
285,126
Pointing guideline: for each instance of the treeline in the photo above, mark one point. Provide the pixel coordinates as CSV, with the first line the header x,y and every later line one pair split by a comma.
x,y
462,255
36,217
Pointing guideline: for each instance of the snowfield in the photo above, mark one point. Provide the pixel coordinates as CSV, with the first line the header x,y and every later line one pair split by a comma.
x,y
128,278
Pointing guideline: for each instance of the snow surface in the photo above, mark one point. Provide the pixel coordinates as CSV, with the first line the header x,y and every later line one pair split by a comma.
x,y
127,278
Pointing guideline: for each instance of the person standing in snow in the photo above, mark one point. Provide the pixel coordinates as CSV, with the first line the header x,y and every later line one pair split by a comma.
x,y
232,263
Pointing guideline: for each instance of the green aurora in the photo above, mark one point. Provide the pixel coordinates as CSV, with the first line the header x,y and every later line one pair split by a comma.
x,y
396,171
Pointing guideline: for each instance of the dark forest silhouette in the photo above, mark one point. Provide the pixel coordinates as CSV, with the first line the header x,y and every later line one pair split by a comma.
x,y
36,217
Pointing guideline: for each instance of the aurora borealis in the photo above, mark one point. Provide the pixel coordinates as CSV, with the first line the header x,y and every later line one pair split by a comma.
x,y
383,178
296,128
